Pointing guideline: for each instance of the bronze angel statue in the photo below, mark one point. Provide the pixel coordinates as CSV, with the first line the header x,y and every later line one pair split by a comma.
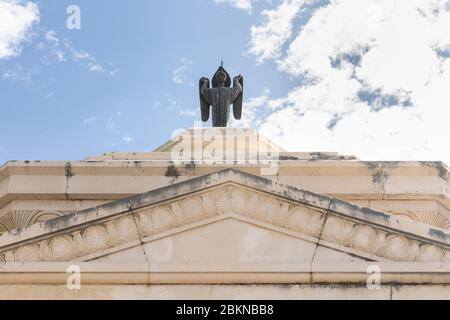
x,y
220,97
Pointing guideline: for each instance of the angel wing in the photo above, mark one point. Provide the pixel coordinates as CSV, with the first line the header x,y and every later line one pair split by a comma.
x,y
237,103
204,103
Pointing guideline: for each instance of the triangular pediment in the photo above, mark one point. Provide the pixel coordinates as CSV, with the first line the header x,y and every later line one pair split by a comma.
x,y
272,221
226,241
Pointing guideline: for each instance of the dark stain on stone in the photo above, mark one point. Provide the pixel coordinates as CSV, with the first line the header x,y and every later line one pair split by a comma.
x,y
190,166
438,234
391,164
443,172
172,172
286,157
346,207
69,174
138,165
172,190
68,170
59,222
377,214
322,156
317,156
439,166
16,231
259,181
378,177
371,164
284,286
348,158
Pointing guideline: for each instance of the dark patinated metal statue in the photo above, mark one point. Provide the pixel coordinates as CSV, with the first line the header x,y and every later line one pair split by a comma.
x,y
220,97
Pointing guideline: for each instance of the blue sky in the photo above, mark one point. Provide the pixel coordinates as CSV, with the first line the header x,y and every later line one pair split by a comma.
x,y
357,77
67,111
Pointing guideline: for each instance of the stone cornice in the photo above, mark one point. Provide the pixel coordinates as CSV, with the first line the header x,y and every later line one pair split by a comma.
x,y
319,167
86,180
106,274
227,194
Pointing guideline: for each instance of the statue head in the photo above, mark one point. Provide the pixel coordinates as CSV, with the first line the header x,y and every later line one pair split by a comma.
x,y
221,78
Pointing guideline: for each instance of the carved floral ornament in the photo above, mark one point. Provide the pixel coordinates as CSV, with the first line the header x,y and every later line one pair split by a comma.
x,y
23,218
307,222
430,217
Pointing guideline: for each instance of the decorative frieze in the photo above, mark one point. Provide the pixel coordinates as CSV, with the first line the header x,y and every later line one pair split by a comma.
x,y
16,219
429,217
330,228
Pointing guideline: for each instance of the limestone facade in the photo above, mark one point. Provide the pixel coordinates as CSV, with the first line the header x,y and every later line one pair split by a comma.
x,y
312,223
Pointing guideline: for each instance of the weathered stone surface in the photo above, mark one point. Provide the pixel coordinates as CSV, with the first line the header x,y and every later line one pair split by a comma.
x,y
224,229
228,194
64,187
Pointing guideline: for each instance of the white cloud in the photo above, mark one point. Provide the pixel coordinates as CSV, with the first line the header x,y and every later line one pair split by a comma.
x,y
113,73
188,113
89,120
252,108
126,138
83,58
373,77
245,5
19,73
49,95
96,67
179,76
54,47
16,22
63,50
175,106
110,124
268,39
157,104
50,36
